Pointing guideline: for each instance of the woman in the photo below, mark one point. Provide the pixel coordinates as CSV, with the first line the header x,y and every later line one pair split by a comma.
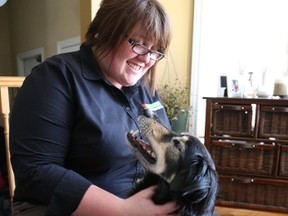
x,y
71,116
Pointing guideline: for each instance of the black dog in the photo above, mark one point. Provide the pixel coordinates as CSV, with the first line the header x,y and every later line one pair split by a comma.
x,y
180,166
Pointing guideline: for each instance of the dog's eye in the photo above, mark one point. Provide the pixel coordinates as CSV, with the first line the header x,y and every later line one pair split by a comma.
x,y
178,145
167,138
176,142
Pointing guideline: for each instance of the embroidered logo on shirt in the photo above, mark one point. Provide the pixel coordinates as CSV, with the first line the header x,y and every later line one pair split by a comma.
x,y
153,106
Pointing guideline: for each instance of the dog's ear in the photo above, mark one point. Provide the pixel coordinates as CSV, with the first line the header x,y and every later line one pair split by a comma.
x,y
191,179
197,185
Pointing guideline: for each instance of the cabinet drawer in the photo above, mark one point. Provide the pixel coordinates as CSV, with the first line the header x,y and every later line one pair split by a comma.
x,y
233,120
243,157
273,122
283,166
255,192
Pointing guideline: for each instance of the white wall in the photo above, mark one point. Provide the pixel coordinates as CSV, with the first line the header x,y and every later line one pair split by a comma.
x,y
235,37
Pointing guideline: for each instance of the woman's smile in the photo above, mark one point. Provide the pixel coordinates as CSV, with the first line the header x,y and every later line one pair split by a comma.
x,y
134,66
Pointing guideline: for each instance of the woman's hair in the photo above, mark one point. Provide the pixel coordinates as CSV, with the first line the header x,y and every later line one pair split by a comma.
x,y
115,21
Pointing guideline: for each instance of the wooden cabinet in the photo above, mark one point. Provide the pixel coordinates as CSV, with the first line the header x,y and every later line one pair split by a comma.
x,y
248,141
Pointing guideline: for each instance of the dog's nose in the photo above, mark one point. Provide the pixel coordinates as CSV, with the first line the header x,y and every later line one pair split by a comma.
x,y
151,114
148,113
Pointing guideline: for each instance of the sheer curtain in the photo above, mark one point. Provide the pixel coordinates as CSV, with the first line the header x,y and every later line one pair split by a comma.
x,y
235,37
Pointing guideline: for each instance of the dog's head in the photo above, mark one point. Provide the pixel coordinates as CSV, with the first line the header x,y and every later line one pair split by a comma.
x,y
181,160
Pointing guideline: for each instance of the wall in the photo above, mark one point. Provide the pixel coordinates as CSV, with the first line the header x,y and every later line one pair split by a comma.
x,y
34,24
178,61
5,50
88,9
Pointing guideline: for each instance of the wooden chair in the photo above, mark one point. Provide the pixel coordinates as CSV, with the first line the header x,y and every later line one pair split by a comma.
x,y
6,83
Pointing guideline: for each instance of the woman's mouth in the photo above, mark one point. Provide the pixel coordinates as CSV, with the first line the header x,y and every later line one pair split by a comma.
x,y
134,66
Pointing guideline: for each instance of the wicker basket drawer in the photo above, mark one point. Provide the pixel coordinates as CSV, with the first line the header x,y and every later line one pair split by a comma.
x,y
233,120
243,157
283,166
254,192
273,122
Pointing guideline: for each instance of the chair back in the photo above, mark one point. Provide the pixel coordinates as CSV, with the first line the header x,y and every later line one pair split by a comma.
x,y
6,83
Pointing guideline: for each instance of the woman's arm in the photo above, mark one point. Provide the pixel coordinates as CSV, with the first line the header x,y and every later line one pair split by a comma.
x,y
97,201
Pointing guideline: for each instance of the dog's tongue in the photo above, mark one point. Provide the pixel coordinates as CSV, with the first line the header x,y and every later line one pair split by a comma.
x,y
137,136
144,145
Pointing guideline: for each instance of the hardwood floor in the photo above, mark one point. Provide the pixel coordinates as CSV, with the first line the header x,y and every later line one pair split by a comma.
x,y
226,211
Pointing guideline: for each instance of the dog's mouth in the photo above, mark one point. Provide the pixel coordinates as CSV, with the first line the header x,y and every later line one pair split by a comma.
x,y
143,147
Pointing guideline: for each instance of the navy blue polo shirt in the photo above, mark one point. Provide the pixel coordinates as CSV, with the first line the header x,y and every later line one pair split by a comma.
x,y
68,130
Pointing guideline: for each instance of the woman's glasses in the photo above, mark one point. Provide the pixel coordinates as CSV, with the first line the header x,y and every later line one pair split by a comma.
x,y
143,50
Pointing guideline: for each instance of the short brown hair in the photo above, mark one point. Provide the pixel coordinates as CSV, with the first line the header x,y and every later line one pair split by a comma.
x,y
116,19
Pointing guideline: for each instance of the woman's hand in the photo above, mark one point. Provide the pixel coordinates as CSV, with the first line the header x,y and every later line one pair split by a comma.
x,y
142,204
97,201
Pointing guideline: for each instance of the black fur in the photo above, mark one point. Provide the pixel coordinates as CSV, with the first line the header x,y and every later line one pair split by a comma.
x,y
195,184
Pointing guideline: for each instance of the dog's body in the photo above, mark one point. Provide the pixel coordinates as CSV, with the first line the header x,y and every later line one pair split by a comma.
x,y
179,165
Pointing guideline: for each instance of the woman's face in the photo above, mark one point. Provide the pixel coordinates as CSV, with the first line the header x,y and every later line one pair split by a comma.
x,y
123,67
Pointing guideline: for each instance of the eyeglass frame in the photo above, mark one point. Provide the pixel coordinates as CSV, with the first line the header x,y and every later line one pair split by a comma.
x,y
133,44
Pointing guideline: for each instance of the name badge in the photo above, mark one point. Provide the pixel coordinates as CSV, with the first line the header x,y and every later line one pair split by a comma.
x,y
153,106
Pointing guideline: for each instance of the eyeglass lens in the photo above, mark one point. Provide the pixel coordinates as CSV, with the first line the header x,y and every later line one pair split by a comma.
x,y
142,50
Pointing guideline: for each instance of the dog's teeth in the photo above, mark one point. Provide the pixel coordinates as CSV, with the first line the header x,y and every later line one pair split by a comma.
x,y
146,149
153,155
135,133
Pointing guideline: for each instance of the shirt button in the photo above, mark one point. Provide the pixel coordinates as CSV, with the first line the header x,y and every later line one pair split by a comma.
x,y
128,108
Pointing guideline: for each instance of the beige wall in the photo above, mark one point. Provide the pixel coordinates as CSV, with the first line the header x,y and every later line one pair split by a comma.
x,y
178,61
5,47
88,9
34,24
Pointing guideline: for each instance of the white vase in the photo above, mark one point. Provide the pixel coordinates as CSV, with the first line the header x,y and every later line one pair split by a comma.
x,y
265,91
266,88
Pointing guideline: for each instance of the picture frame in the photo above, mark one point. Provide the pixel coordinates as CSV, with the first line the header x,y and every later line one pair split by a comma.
x,y
235,87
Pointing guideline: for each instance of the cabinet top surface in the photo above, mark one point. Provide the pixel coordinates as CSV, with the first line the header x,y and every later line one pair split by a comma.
x,y
269,101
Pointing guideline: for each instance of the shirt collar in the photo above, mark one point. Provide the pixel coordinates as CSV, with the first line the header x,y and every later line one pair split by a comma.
x,y
90,68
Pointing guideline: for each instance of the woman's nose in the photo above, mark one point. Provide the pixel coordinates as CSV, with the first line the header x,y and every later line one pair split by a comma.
x,y
145,58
